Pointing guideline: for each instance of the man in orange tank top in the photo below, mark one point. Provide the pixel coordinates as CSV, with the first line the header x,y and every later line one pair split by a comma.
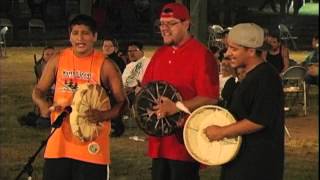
x,y
67,157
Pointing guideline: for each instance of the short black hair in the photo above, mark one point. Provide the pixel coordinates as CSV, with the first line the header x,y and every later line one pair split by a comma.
x,y
275,34
83,19
135,43
48,47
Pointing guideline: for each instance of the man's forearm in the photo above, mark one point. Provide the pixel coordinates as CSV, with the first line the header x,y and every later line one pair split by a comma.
x,y
115,111
39,99
199,101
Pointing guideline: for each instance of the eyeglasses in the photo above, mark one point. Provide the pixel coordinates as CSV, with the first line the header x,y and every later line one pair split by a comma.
x,y
169,24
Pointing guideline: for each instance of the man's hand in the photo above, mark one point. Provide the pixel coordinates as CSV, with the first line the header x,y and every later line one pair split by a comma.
x,y
95,116
165,107
214,133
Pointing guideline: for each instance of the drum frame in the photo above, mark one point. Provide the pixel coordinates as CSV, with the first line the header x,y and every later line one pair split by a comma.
x,y
234,142
146,117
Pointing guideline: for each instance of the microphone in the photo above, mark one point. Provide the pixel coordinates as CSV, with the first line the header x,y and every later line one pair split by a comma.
x,y
57,123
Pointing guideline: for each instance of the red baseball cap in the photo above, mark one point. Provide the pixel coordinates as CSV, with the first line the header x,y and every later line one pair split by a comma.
x,y
175,10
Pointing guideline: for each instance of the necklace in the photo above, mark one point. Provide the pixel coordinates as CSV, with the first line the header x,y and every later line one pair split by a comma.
x,y
73,83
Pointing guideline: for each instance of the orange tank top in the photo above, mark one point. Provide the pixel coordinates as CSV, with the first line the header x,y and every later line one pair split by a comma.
x,y
73,71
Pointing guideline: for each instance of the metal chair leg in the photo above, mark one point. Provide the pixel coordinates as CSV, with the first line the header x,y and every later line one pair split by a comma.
x,y
287,131
304,98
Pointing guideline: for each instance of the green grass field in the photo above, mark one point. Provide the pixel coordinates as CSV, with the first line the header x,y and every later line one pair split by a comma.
x,y
309,9
129,162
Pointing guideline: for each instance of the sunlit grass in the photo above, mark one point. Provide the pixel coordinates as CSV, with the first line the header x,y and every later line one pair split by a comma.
x,y
309,9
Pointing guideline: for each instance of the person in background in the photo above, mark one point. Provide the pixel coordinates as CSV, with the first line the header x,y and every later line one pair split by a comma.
x,y
110,49
190,67
32,118
134,71
278,54
258,106
227,82
66,157
312,63
39,64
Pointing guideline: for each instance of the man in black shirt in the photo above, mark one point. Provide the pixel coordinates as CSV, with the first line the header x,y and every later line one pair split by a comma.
x,y
258,106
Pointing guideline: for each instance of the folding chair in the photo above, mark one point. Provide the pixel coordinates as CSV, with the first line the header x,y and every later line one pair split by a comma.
x,y
4,22
286,36
3,45
294,85
36,24
215,36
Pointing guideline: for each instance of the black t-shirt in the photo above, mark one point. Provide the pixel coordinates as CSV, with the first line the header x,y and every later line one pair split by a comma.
x,y
259,98
276,61
118,61
227,92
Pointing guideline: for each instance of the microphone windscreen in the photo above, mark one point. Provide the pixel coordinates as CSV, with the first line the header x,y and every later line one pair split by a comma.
x,y
68,109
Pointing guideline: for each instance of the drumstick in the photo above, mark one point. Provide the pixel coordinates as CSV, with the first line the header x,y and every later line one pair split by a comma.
x,y
182,107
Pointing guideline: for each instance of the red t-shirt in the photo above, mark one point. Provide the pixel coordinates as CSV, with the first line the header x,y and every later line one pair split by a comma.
x,y
193,71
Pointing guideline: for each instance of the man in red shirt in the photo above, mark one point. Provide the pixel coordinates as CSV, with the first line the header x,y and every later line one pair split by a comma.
x,y
189,66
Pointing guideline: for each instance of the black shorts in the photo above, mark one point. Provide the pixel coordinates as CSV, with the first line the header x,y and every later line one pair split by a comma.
x,y
165,169
69,169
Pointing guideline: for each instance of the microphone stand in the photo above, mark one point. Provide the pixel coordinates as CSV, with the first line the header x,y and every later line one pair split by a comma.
x,y
28,166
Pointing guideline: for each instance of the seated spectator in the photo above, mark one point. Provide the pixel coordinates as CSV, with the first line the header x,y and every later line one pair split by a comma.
x,y
227,82
312,63
110,49
134,71
278,54
39,64
33,119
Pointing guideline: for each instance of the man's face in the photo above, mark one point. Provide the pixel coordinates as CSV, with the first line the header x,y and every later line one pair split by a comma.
x,y
275,44
173,30
108,47
238,55
82,39
134,53
47,54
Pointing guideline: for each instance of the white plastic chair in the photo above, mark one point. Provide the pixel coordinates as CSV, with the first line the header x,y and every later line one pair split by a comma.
x,y
294,85
4,22
3,45
286,36
215,36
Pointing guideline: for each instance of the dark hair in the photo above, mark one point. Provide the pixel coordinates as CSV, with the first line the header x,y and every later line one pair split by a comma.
x,y
135,43
113,40
48,47
83,19
315,36
275,34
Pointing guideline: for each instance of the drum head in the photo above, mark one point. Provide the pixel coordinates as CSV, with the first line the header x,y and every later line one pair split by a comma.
x,y
146,118
87,96
199,146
